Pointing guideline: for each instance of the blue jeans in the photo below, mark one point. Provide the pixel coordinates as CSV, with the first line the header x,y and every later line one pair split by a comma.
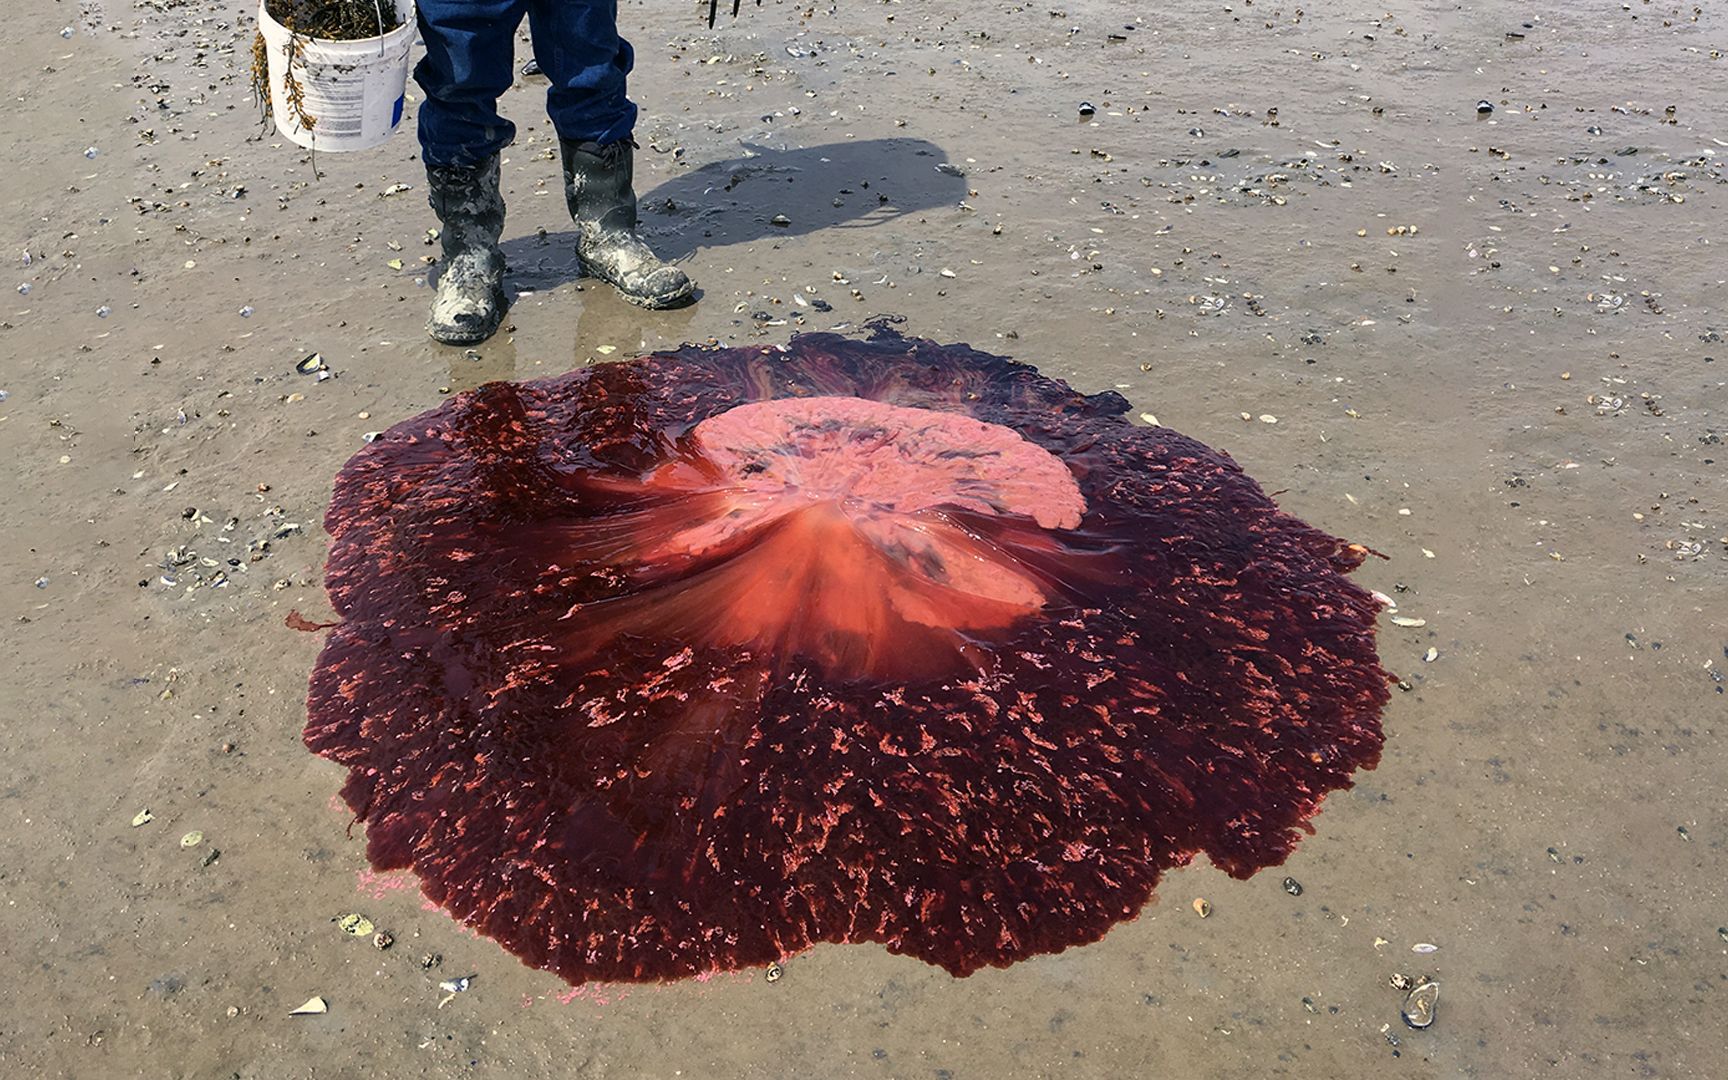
x,y
470,60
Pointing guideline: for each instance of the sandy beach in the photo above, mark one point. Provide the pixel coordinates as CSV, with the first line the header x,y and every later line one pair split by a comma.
x,y
1447,279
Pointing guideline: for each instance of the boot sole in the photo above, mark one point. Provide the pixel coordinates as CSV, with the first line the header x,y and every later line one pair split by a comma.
x,y
460,339
661,303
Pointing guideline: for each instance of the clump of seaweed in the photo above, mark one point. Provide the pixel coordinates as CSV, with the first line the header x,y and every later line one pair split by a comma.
x,y
261,75
336,20
293,93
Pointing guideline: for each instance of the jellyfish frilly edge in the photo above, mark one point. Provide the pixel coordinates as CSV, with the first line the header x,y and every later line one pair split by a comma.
x,y
693,662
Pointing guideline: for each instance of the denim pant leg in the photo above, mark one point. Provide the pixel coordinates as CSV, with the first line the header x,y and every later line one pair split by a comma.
x,y
469,62
577,44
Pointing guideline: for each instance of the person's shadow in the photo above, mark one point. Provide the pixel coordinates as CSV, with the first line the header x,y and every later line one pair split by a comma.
x,y
764,193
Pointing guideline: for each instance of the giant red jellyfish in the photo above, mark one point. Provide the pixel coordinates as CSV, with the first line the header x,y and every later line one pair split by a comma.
x,y
692,662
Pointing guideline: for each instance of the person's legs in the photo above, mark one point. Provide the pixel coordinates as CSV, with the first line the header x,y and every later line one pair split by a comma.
x,y
469,62
578,47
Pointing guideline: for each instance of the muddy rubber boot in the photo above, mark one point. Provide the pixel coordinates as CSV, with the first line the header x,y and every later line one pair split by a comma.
x,y
597,185
470,301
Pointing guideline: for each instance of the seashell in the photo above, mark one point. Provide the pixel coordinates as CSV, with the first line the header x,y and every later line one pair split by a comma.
x,y
1418,1011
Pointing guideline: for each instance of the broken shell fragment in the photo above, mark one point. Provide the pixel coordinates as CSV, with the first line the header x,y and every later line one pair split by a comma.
x,y
452,987
1405,620
382,940
1292,886
1418,1011
192,839
313,362
314,1006
355,924
142,817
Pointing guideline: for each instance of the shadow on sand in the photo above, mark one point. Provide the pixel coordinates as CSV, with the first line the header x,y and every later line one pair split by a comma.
x,y
850,185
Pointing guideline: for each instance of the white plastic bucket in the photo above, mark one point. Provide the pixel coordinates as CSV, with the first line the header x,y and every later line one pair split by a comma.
x,y
352,90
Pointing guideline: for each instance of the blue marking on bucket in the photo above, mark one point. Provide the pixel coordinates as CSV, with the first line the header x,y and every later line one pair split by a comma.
x,y
396,113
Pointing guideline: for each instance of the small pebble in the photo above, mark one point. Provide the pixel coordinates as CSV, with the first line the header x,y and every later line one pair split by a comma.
x,y
91,152
1484,106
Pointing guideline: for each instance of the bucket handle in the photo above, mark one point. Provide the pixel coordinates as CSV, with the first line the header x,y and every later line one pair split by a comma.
x,y
378,6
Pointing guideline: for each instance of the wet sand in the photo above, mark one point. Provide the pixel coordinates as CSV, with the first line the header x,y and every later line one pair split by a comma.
x,y
1517,394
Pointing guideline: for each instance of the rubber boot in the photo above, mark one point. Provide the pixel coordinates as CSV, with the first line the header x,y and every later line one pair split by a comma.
x,y
597,185
470,300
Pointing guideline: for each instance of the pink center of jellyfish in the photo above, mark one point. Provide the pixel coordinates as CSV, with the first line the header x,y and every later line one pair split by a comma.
x,y
840,530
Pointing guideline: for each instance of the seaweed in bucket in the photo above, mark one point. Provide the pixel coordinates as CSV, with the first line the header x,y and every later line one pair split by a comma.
x,y
336,20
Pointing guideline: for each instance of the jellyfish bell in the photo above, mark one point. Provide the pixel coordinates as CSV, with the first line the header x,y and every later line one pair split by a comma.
x,y
693,662
870,539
